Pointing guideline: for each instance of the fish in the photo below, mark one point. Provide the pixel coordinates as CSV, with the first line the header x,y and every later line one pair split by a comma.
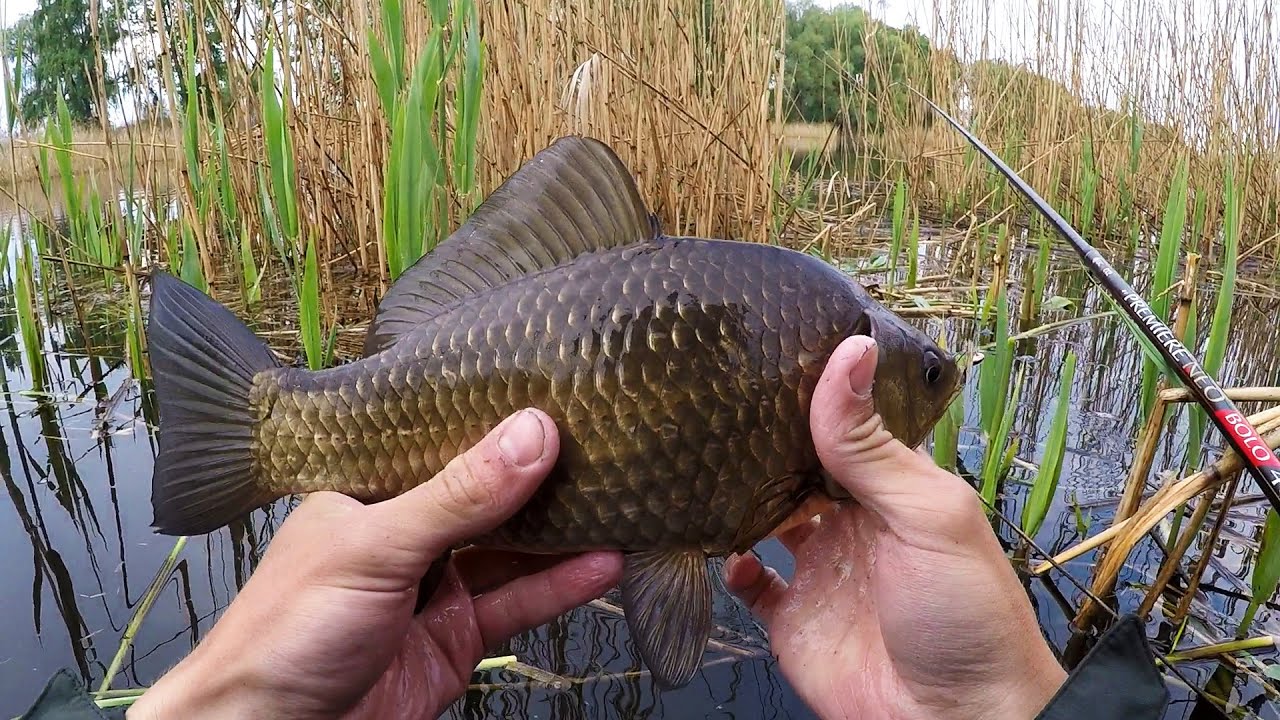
x,y
678,370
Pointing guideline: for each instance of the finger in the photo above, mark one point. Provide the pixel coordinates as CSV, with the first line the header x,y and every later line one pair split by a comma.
x,y
484,569
532,600
852,443
760,588
473,494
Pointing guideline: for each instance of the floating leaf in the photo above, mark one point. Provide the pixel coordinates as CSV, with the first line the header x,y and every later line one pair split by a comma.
x,y
1057,303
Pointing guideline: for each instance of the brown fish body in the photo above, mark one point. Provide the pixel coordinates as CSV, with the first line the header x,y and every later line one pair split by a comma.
x,y
679,372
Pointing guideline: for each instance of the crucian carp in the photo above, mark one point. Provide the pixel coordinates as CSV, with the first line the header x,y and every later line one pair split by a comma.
x,y
679,372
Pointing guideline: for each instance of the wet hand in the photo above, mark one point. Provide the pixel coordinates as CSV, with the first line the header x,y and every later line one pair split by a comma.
x,y
903,604
325,627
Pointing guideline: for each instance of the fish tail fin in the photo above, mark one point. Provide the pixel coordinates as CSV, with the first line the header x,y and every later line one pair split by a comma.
x,y
203,361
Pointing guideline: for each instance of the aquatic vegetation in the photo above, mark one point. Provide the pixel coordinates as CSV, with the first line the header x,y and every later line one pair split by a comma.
x,y
900,229
1171,231
28,319
1045,487
1266,570
1220,325
1000,449
279,148
994,372
310,323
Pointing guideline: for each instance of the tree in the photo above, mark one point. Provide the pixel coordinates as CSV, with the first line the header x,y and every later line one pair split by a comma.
x,y
58,57
827,56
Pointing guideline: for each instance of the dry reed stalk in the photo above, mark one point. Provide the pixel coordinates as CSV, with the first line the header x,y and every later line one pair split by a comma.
x,y
1141,467
1151,434
1223,466
1147,516
1186,298
1173,558
681,89
1063,91
1239,394
1206,550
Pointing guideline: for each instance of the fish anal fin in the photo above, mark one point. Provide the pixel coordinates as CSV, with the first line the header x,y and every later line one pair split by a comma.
x,y
666,597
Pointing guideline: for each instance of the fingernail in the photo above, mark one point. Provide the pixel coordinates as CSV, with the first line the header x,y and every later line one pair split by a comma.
x,y
523,438
863,373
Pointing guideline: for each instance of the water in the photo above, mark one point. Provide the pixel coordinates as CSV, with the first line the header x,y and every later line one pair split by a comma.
x,y
78,553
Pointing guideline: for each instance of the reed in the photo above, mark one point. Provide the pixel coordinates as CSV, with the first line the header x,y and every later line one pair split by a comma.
x,y
1266,571
1000,449
310,324
1220,325
946,433
993,373
899,229
1171,231
278,140
28,319
140,612
1045,488
913,249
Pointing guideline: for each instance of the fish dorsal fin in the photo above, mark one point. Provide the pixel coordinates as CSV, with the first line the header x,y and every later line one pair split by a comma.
x,y
573,197
666,598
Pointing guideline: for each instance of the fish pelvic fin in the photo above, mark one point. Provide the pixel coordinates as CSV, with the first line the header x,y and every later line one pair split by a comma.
x,y
666,597
203,361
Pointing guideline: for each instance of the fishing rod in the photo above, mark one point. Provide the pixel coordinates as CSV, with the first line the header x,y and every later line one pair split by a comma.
x,y
1261,462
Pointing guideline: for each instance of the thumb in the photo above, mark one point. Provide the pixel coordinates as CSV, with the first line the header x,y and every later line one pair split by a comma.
x,y
861,455
474,493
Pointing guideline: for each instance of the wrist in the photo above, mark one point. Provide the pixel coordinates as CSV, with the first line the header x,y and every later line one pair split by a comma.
x,y
193,690
1028,696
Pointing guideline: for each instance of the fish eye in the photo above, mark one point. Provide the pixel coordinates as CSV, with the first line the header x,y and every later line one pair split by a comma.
x,y
932,370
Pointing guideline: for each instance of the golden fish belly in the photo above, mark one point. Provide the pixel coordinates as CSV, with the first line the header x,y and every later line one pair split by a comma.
x,y
679,375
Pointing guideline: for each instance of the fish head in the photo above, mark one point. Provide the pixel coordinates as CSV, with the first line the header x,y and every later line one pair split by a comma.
x,y
915,378
915,381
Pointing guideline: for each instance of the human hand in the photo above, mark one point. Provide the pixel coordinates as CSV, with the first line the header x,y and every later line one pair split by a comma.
x,y
903,604
325,627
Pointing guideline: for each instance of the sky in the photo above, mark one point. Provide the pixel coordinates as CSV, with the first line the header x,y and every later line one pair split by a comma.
x,y
14,9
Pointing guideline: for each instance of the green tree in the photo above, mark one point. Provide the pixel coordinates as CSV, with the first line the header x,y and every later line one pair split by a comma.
x,y
837,58
58,56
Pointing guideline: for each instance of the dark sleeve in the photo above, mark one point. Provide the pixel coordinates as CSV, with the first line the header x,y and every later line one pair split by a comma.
x,y
1117,679
66,698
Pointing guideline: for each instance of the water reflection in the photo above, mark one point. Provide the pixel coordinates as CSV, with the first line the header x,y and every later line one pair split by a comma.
x,y
78,551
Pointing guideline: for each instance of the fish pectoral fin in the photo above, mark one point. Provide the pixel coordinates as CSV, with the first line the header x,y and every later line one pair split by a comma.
x,y
666,597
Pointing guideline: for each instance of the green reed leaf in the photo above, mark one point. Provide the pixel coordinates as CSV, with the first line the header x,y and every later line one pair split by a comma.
x,y
1045,488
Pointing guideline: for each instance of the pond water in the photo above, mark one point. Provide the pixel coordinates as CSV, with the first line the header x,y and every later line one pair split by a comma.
x,y
77,553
